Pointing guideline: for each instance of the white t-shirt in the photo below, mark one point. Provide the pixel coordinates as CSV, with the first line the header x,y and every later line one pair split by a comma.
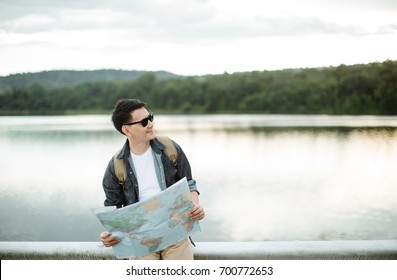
x,y
146,174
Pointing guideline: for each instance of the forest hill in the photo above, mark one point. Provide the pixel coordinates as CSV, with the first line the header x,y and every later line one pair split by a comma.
x,y
365,89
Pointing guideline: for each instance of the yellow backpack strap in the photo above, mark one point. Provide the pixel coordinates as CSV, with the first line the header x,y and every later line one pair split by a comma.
x,y
170,149
120,169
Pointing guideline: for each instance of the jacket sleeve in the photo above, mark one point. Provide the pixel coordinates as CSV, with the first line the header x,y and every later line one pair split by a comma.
x,y
113,191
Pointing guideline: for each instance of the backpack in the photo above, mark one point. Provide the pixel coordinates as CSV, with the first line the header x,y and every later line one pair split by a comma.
x,y
121,171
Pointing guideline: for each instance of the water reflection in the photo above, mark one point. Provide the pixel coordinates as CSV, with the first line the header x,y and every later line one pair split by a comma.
x,y
309,184
260,177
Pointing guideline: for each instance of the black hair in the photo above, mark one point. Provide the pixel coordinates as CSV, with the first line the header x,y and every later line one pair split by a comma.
x,y
122,111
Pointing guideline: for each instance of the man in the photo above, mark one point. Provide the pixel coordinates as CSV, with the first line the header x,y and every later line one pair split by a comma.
x,y
149,172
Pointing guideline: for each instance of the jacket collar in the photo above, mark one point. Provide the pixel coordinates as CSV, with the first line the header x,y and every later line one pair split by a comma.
x,y
157,147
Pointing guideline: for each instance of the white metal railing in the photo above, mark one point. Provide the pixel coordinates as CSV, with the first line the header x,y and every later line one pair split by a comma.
x,y
267,250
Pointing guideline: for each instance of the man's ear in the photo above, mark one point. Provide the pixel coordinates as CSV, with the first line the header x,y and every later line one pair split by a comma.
x,y
125,129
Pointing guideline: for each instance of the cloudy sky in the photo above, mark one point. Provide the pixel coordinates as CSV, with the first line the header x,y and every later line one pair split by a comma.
x,y
194,37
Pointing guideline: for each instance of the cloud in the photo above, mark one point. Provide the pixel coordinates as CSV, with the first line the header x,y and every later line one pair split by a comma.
x,y
181,21
60,33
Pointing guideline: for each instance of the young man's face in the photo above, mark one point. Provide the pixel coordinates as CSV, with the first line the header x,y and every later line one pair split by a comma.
x,y
138,131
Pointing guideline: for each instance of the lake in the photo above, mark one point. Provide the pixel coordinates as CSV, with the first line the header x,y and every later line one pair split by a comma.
x,y
261,177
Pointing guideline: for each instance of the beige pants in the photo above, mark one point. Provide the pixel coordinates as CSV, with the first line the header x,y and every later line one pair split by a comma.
x,y
182,250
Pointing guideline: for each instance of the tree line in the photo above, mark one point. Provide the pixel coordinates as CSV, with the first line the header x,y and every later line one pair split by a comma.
x,y
354,89
71,78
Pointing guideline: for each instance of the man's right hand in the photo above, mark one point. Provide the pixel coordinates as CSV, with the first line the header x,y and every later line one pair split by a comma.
x,y
108,239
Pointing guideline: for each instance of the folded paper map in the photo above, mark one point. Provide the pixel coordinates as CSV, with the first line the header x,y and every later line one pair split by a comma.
x,y
151,225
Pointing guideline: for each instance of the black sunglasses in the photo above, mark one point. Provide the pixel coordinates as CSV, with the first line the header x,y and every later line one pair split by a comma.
x,y
144,121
